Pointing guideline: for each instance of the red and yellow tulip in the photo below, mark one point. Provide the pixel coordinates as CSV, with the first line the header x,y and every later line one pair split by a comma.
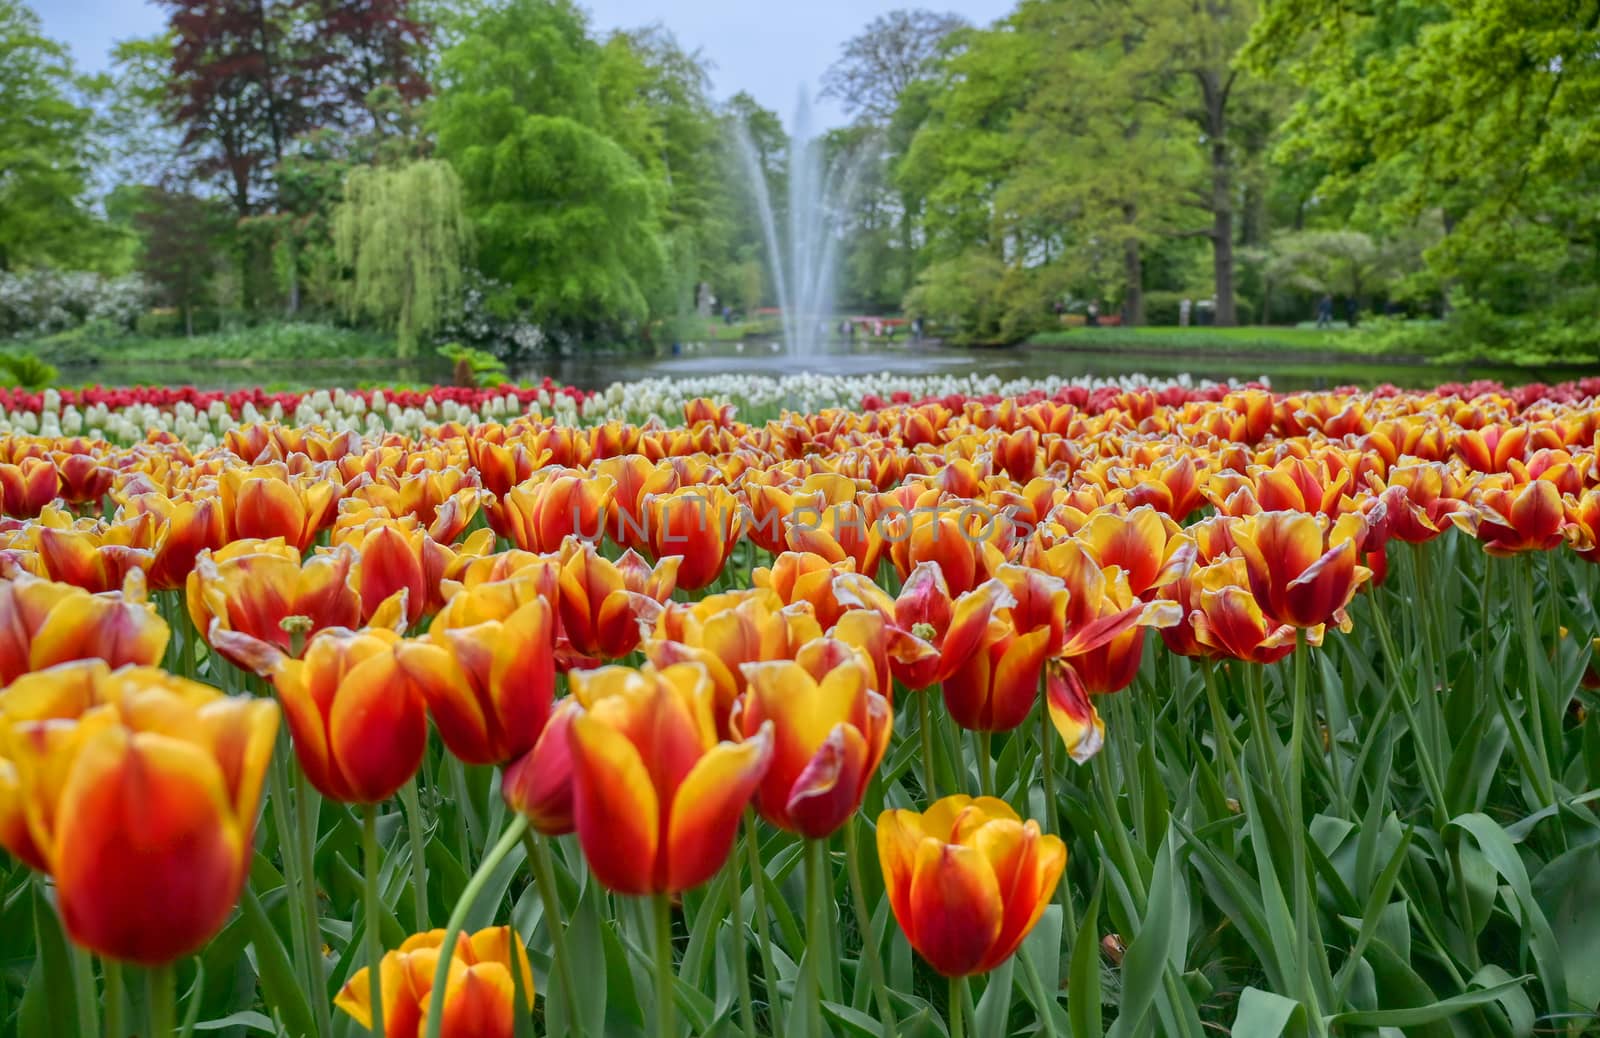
x,y
480,995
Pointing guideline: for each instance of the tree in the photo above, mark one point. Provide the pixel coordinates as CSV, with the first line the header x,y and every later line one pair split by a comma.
x,y
1478,116
45,147
181,237
881,62
563,213
402,233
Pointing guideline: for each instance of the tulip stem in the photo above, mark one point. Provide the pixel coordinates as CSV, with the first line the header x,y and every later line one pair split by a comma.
x,y
158,996
306,805
83,988
544,877
370,866
758,876
986,763
816,929
419,860
114,1025
458,919
741,965
278,801
958,993
869,954
666,1010
925,714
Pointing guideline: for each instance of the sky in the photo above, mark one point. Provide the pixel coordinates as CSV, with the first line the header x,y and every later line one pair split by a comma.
x,y
766,47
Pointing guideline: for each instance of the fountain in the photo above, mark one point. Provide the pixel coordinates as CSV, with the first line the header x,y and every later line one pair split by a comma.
x,y
819,199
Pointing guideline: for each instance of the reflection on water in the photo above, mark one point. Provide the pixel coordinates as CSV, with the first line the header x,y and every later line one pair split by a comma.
x,y
589,371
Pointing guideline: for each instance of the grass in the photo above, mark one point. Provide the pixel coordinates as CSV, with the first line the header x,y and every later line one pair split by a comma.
x,y
298,343
1254,338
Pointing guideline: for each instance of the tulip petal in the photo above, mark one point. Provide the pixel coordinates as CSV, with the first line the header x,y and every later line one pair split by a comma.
x,y
615,807
706,811
956,903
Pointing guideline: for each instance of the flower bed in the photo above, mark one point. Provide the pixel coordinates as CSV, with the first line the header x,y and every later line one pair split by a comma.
x,y
938,706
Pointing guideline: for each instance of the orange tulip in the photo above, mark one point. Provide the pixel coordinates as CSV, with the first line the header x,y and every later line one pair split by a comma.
x,y
266,501
489,683
603,603
480,991
140,792
956,534
359,725
1420,499
1297,576
657,799
1511,520
721,632
967,880
538,784
394,556
952,627
829,734
27,487
240,597
541,512
92,554
183,529
44,623
999,684
800,576
1072,711
1149,548
1226,622
699,523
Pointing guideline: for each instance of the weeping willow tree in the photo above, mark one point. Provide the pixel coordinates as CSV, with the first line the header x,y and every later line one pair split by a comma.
x,y
403,235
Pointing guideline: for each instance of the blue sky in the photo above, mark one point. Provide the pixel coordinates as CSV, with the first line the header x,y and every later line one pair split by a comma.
x,y
766,47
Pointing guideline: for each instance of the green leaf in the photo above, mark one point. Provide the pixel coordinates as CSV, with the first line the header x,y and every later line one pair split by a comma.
x,y
47,1004
1265,1015
249,1019
995,1005
1427,1014
1083,988
280,988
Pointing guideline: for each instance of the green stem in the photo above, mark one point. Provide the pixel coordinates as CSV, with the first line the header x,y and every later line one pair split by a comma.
x,y
869,954
278,802
741,965
83,990
1220,725
666,1010
307,803
114,1017
769,974
544,877
159,997
466,823
1302,882
1537,703
1040,993
925,715
458,919
986,763
816,930
419,852
370,866
954,1014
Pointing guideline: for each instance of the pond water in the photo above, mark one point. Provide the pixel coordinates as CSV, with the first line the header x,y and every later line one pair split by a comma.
x,y
596,371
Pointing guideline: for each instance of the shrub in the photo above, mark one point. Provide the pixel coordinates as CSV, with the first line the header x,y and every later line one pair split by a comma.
x,y
1164,309
40,302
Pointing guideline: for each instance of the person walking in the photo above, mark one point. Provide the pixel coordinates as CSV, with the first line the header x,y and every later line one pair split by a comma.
x,y
1325,311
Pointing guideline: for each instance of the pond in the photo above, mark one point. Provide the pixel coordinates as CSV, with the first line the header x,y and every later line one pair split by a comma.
x,y
596,371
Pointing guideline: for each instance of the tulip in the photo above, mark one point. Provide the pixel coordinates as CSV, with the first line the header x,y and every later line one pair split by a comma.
x,y
359,725
1072,711
27,487
1524,517
1149,548
246,598
479,996
183,529
538,785
94,555
44,623
952,627
967,880
657,799
957,535
392,556
700,523
140,792
798,576
829,734
489,683
721,632
541,512
603,603
1297,577
265,501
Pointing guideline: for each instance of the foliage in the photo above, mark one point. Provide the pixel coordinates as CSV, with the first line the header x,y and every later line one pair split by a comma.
x,y
473,367
564,214
26,370
45,147
402,233
306,343
40,302
879,64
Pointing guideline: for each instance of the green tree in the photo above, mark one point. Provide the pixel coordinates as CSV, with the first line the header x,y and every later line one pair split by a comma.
x,y
563,213
403,234
46,148
1478,116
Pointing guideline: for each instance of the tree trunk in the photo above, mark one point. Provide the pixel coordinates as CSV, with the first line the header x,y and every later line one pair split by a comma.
x,y
1132,272
1227,314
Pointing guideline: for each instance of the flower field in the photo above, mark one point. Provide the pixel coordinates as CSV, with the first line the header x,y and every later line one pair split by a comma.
x,y
804,707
